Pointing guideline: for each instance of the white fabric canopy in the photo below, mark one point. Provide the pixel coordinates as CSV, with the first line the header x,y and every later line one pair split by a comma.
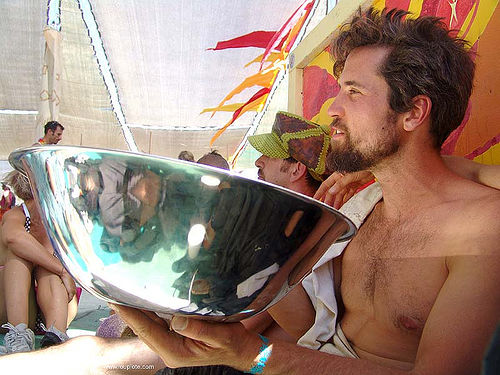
x,y
157,55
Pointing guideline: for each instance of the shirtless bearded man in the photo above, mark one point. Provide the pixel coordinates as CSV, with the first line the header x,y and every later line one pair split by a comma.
x,y
420,280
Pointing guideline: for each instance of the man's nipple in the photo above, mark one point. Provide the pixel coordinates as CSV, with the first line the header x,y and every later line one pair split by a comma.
x,y
411,324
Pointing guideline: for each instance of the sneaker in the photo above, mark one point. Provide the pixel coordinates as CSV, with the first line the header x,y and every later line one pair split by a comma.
x,y
52,337
19,338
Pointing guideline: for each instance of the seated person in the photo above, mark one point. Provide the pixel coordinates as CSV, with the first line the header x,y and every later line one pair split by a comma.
x,y
29,254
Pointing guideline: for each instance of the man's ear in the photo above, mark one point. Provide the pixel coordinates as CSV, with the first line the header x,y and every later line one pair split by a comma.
x,y
298,171
420,111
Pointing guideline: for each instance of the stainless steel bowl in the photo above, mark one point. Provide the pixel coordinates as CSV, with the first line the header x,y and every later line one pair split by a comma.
x,y
176,237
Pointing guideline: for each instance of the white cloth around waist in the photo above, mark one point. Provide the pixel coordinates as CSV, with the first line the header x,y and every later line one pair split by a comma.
x,y
319,285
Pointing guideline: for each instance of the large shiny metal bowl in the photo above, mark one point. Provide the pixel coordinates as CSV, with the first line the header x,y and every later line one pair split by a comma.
x,y
176,237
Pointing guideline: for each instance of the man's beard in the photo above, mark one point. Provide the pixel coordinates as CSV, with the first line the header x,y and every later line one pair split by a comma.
x,y
260,175
347,158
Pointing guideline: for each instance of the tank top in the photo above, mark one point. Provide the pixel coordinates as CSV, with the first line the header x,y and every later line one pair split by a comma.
x,y
27,222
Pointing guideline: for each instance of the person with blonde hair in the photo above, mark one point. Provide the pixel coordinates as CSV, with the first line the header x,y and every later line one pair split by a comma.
x,y
28,253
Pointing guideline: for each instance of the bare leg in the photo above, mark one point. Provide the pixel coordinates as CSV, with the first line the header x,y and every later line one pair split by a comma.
x,y
3,308
52,299
17,284
72,309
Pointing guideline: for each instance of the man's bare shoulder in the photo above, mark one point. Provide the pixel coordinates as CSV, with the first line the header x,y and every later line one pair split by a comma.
x,y
477,236
473,221
483,202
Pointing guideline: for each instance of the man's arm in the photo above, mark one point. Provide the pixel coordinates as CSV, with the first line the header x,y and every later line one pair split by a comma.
x,y
294,312
338,188
87,355
194,342
287,320
463,318
488,175
453,342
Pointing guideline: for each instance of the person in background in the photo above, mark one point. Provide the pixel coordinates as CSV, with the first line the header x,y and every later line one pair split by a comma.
x,y
53,132
30,253
7,201
214,159
293,154
186,155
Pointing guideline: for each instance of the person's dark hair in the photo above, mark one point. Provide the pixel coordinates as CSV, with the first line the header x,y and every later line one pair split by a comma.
x,y
186,155
310,180
424,59
214,159
52,125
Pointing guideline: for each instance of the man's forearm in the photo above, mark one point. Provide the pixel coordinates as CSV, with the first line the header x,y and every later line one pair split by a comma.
x,y
120,356
286,358
87,355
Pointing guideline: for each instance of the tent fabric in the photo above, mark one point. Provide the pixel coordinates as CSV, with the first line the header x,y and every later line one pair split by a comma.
x,y
50,91
177,75
171,142
22,45
160,63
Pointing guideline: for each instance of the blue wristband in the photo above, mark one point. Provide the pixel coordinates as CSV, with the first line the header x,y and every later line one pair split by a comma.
x,y
264,354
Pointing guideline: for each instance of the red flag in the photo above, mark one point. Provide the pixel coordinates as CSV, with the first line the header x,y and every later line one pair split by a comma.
x,y
238,112
285,29
259,39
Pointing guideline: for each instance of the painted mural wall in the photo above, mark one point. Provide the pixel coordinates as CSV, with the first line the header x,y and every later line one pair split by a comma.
x,y
477,21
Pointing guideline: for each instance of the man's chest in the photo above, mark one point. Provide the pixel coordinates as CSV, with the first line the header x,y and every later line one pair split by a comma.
x,y
390,274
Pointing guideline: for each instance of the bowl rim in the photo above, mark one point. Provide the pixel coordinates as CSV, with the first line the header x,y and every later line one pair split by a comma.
x,y
16,156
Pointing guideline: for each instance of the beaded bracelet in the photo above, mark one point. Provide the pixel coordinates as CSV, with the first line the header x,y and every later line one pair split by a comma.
x,y
264,354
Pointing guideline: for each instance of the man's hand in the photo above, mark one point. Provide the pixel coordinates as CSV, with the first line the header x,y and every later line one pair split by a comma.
x,y
192,342
69,284
338,188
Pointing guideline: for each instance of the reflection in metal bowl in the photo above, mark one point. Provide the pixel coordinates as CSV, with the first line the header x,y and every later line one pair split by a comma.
x,y
172,236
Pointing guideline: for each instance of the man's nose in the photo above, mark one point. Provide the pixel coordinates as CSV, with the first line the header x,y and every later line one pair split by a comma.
x,y
336,109
259,162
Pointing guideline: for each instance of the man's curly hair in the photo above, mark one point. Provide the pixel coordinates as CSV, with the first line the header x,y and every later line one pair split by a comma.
x,y
423,59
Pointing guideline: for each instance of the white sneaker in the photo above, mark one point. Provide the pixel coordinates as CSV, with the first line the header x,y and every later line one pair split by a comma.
x,y
19,338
